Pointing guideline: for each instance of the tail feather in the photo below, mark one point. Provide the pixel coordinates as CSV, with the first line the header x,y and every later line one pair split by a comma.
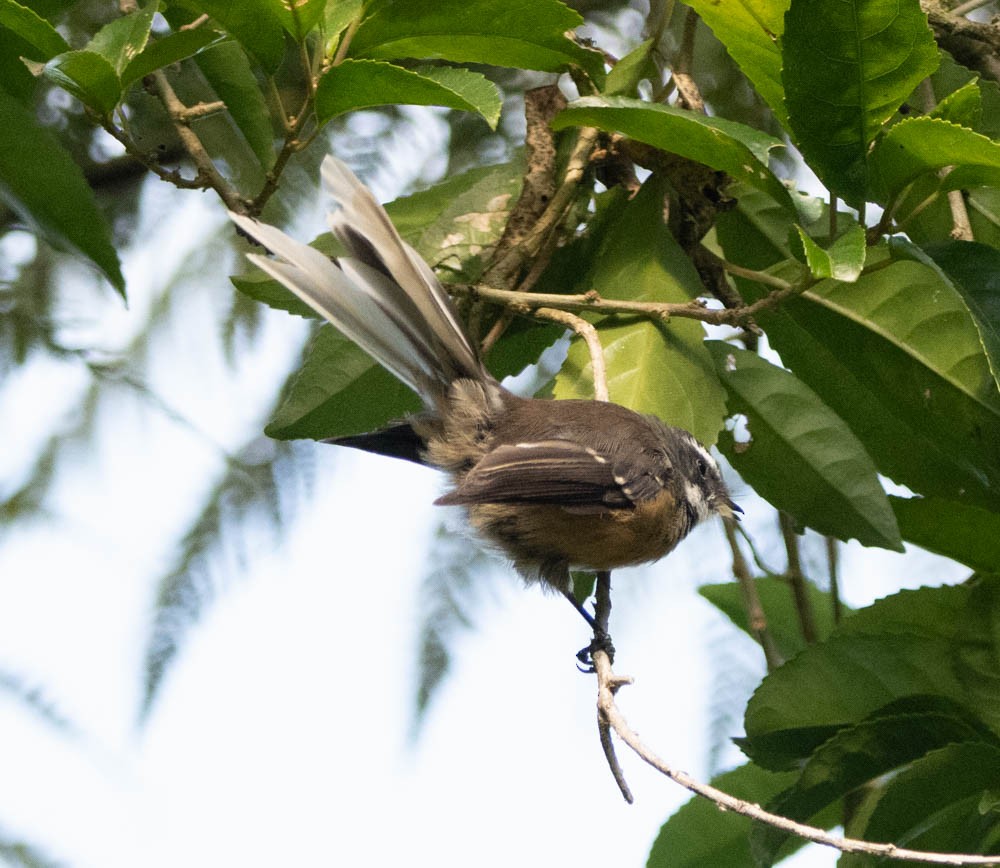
x,y
384,297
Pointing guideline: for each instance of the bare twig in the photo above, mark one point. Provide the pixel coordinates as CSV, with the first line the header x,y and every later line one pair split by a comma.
x,y
586,331
961,228
687,89
832,563
796,578
751,599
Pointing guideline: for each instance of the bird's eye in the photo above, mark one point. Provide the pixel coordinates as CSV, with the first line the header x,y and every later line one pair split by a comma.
x,y
703,467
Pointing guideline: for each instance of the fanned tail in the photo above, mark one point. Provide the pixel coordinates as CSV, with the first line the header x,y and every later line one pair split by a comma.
x,y
383,296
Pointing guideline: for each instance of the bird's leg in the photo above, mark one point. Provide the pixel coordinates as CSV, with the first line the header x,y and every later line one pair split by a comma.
x,y
601,640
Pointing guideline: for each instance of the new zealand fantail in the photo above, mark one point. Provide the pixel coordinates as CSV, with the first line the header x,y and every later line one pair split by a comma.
x,y
553,484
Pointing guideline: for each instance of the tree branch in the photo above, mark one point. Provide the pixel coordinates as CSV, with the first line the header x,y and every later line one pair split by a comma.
x,y
586,331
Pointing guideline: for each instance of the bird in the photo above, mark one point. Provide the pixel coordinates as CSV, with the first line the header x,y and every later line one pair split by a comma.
x,y
553,484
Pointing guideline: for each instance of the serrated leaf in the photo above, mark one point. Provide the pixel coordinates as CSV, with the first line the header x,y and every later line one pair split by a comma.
x,y
920,146
893,737
778,602
254,23
898,357
974,271
356,84
33,29
652,367
873,53
802,457
844,260
934,804
914,643
963,106
339,391
524,34
700,835
964,533
726,146
121,40
166,51
88,76
40,182
750,30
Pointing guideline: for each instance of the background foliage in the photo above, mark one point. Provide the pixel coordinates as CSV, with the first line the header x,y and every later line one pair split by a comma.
x,y
859,398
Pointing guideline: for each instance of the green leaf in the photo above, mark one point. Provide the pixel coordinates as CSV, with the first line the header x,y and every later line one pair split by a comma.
x,y
802,457
963,106
652,367
726,146
898,357
974,271
700,835
88,76
299,17
848,66
123,39
750,30
228,71
964,533
337,17
524,34
254,23
337,392
919,146
893,737
844,260
33,29
778,602
166,51
42,184
358,84
934,642
935,803
624,78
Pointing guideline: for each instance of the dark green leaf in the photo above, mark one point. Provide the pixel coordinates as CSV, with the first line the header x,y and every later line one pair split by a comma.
x,y
339,391
123,39
88,76
727,146
299,17
935,804
525,34
891,738
358,84
42,184
166,51
652,367
750,30
33,29
254,23
802,456
964,533
873,53
699,835
778,602
635,66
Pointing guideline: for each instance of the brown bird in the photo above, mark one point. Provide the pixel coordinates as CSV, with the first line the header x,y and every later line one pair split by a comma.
x,y
552,484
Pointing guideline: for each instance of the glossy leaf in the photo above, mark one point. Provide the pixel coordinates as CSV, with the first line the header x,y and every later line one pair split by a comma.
x,y
802,457
778,602
33,29
699,834
652,367
847,67
750,30
919,146
166,51
123,39
964,533
726,146
358,84
88,76
934,642
338,391
254,23
525,34
42,184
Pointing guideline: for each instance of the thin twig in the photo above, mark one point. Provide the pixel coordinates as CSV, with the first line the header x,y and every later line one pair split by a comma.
x,y
687,89
796,578
961,228
586,331
970,6
751,599
832,563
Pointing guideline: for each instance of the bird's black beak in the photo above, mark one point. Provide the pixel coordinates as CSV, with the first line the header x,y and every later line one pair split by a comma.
x,y
728,509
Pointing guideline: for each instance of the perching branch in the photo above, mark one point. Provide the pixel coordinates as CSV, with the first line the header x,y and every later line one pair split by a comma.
x,y
589,334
